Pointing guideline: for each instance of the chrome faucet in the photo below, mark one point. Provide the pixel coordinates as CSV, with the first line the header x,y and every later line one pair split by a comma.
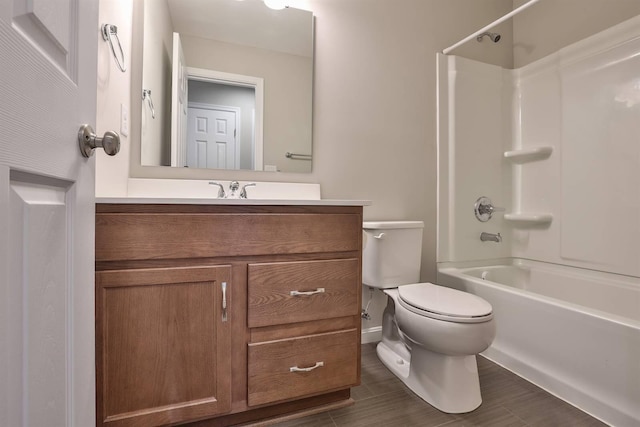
x,y
221,194
490,237
233,193
243,192
233,190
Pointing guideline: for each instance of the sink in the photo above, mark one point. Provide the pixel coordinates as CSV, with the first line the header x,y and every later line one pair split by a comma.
x,y
200,189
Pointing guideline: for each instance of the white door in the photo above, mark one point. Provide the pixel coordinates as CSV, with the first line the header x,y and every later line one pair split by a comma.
x,y
179,102
211,136
47,90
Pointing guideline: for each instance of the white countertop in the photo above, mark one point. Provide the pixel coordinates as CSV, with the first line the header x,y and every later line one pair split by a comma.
x,y
245,202
200,192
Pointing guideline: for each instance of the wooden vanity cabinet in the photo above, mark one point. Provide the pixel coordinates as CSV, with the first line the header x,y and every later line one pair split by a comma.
x,y
219,315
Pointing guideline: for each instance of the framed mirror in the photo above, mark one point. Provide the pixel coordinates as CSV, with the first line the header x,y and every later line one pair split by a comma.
x,y
225,84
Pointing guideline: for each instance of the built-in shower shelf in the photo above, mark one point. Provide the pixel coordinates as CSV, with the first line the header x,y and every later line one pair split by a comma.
x,y
528,154
529,217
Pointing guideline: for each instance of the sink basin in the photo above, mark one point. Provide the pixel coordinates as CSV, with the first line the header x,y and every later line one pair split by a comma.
x,y
200,189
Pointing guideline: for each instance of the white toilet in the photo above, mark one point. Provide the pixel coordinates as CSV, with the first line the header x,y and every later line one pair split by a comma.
x,y
430,333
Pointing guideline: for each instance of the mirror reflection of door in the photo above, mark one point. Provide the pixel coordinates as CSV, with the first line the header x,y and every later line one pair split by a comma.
x,y
212,137
210,141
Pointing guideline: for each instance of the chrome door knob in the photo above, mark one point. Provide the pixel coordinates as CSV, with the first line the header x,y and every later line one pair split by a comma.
x,y
88,141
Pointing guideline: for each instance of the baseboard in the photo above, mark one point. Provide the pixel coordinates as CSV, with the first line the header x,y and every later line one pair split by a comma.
x,y
370,335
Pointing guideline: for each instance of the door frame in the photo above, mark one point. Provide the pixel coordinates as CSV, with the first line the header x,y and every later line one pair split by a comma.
x,y
179,97
232,79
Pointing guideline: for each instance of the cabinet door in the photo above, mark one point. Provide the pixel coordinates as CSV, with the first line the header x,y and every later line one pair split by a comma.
x,y
163,345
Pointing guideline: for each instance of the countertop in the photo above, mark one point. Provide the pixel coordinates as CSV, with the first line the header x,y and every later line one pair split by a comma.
x,y
242,202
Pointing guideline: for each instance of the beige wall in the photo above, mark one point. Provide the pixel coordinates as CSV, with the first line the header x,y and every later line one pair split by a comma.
x,y
113,92
565,22
375,101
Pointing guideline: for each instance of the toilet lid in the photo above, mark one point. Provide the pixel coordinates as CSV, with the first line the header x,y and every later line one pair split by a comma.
x,y
444,301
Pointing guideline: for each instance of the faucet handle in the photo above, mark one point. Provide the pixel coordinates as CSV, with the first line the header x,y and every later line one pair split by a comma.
x,y
243,193
221,194
484,209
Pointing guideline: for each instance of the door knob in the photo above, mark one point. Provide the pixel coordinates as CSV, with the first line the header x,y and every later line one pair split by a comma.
x,y
88,141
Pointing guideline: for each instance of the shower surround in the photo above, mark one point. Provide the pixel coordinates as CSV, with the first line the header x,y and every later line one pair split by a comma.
x,y
557,143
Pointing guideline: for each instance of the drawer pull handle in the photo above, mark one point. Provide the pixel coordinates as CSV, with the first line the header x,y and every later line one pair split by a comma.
x,y
309,369
297,293
224,301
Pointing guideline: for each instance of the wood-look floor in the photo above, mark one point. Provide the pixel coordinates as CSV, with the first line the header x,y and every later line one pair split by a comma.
x,y
508,400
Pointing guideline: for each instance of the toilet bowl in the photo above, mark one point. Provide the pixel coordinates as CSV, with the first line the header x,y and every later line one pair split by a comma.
x,y
430,333
438,363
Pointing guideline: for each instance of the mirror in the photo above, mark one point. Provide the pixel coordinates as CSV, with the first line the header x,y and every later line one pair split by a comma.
x,y
227,84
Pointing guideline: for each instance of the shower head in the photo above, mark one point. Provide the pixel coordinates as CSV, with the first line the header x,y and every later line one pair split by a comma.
x,y
495,37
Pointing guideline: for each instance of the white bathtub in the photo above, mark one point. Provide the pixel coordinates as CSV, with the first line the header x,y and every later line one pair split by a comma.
x,y
573,332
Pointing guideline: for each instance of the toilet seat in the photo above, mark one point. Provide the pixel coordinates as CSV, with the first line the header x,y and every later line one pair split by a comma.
x,y
442,303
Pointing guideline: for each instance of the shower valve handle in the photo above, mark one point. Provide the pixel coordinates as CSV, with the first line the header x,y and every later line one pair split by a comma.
x,y
484,209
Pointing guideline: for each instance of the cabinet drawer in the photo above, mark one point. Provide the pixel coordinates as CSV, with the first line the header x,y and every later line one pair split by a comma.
x,y
287,292
276,368
137,236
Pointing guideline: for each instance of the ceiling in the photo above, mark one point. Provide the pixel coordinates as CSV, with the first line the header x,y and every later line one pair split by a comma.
x,y
247,22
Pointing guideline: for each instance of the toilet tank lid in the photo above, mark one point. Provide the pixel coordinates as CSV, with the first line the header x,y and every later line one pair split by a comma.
x,y
380,225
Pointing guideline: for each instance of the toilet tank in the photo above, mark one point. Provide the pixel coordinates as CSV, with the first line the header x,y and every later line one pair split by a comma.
x,y
391,253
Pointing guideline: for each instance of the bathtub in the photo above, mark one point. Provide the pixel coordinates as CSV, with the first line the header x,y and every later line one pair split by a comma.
x,y
571,331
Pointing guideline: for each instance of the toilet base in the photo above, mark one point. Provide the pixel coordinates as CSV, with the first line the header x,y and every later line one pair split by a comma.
x,y
448,383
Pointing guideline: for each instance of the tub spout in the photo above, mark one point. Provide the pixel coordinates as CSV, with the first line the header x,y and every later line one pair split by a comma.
x,y
490,237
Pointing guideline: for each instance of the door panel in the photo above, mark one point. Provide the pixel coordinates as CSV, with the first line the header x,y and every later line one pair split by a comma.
x,y
47,26
211,137
47,90
38,297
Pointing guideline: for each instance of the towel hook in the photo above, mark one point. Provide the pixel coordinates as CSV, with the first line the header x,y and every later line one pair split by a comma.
x,y
108,33
146,95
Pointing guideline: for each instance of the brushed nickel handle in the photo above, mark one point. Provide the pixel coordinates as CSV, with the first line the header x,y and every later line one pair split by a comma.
x,y
224,301
305,293
89,141
309,369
